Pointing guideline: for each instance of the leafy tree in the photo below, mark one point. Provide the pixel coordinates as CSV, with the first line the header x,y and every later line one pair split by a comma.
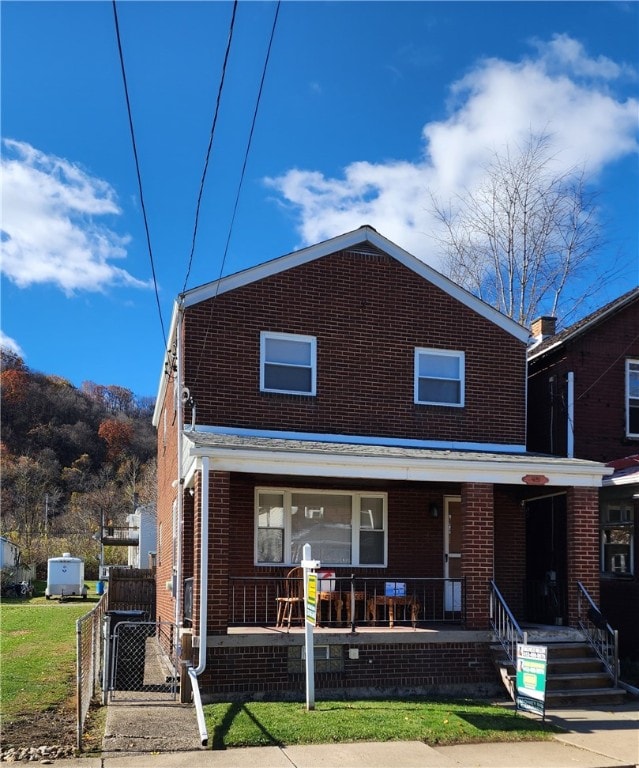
x,y
524,237
71,459
117,434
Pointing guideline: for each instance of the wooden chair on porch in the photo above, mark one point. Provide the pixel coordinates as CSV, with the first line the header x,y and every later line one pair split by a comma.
x,y
290,606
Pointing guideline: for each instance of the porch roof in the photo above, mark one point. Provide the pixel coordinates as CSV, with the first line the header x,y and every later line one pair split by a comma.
x,y
329,458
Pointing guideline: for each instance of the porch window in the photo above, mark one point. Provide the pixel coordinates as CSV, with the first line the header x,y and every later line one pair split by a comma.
x,y
632,398
617,536
288,363
343,528
439,377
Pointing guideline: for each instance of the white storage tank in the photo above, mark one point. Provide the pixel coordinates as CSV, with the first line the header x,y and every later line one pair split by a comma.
x,y
65,576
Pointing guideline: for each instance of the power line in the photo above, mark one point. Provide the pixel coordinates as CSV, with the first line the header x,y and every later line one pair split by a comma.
x,y
250,138
137,169
208,151
240,183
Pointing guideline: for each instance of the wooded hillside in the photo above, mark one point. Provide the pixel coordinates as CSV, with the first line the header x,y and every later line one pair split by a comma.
x,y
70,459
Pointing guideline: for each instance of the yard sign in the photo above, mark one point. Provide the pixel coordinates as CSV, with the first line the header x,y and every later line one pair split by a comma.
x,y
311,599
532,662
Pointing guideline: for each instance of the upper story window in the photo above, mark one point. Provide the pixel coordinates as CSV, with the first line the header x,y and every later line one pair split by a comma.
x,y
343,528
439,377
288,363
632,398
617,538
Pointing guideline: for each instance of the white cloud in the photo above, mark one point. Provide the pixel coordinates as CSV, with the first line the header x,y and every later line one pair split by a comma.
x,y
560,92
50,232
6,342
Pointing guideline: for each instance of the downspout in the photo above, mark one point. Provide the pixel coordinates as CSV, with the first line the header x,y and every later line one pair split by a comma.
x,y
194,672
570,426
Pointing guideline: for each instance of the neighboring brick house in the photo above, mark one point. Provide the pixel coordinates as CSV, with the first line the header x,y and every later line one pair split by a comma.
x,y
583,401
349,396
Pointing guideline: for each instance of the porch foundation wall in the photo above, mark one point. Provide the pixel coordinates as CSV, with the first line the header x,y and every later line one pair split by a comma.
x,y
276,672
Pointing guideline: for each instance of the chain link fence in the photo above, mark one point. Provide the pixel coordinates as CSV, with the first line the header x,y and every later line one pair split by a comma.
x,y
140,658
124,655
88,662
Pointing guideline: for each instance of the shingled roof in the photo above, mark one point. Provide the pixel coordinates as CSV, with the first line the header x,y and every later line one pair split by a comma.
x,y
552,342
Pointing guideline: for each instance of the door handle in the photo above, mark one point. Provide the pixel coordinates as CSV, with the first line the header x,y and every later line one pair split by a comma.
x,y
446,557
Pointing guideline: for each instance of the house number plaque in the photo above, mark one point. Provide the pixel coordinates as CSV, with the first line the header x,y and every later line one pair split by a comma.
x,y
535,479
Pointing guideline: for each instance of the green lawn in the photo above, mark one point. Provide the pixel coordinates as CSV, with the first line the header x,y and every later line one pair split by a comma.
x,y
433,722
38,653
37,673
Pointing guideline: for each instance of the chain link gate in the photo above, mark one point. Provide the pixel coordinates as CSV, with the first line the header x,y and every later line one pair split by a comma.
x,y
139,658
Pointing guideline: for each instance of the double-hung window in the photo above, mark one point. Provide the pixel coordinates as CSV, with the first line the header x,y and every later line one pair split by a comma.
x,y
439,377
288,363
342,527
632,398
617,538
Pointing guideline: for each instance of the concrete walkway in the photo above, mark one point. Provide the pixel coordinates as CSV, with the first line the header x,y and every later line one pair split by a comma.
x,y
161,735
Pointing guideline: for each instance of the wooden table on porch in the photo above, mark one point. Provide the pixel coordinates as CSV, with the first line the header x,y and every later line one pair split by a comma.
x,y
332,598
339,600
391,602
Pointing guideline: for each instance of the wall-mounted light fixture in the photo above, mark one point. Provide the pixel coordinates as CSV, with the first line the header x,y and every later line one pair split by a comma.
x,y
433,509
192,491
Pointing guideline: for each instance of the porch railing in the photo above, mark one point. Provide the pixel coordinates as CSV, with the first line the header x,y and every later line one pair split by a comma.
x,y
351,601
504,624
601,636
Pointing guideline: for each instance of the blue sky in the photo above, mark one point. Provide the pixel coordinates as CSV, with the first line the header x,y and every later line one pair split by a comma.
x,y
367,107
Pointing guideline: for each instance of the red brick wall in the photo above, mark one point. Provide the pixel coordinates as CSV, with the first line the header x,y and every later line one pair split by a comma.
x,y
368,314
478,546
248,671
167,473
510,549
597,359
218,555
583,545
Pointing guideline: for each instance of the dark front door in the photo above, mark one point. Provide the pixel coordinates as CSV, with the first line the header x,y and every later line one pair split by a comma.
x,y
545,590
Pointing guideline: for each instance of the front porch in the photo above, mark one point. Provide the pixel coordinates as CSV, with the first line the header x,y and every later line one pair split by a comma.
x,y
356,603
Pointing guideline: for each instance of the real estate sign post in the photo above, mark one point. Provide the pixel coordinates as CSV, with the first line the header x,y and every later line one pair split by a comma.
x,y
532,662
310,614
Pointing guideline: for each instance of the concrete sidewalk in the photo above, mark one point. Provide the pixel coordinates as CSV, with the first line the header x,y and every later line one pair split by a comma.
x,y
144,735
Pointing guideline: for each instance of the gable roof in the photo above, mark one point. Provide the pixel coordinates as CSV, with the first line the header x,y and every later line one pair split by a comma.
x,y
584,325
360,240
354,241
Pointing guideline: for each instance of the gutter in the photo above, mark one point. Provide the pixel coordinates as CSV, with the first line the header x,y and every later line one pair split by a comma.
x,y
195,672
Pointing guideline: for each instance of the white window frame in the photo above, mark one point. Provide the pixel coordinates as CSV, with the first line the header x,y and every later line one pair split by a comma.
x,y
311,341
460,356
356,508
622,517
632,366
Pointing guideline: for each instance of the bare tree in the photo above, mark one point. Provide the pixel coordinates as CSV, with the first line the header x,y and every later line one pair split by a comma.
x,y
524,240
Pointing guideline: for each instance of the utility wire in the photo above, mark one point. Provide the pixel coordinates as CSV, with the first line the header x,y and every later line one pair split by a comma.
x,y
137,168
250,138
208,151
241,181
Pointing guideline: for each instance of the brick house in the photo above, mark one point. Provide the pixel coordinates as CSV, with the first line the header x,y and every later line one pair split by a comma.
x,y
349,396
583,401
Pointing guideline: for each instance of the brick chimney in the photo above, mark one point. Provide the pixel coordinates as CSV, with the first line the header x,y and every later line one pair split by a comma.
x,y
543,327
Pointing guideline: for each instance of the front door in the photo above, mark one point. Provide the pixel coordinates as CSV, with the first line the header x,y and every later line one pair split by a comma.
x,y
452,553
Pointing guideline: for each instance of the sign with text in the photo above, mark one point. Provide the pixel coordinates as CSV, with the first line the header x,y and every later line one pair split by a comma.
x,y
311,599
532,663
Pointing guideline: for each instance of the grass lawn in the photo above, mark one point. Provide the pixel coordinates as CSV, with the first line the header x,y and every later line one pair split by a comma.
x,y
433,722
38,653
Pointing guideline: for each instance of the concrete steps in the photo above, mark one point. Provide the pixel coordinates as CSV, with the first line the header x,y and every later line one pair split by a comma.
x,y
575,676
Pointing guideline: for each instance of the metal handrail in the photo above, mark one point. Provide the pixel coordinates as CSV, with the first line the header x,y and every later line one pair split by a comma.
x,y
252,599
504,624
603,639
